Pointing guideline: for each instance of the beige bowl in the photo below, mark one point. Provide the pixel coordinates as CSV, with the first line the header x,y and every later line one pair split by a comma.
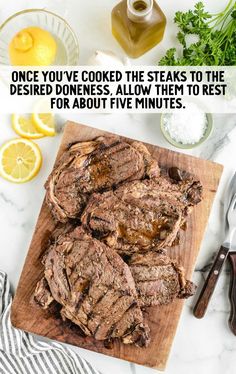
x,y
188,146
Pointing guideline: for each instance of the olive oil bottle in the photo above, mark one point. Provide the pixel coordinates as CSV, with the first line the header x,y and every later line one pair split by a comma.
x,y
138,25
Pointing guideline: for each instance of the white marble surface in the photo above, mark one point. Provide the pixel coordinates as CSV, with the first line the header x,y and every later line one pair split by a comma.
x,y
200,346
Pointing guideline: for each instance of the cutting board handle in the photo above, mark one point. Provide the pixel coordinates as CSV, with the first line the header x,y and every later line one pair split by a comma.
x,y
232,292
210,283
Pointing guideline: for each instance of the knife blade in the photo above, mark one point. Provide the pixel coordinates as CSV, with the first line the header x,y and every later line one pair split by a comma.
x,y
230,191
214,273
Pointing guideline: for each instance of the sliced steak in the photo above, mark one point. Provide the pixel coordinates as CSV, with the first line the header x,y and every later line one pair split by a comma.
x,y
95,288
94,166
158,279
138,215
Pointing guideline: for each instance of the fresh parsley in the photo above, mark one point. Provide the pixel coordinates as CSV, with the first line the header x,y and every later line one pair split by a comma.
x,y
215,34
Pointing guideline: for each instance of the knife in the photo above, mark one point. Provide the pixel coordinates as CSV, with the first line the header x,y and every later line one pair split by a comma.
x,y
213,276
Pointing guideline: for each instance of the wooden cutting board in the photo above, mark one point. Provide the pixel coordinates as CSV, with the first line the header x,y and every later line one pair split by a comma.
x,y
162,320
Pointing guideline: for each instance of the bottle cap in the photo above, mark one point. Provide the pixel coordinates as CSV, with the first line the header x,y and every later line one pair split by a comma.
x,y
139,10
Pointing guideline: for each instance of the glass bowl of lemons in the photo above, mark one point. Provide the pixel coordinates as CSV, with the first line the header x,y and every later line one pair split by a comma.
x,y
37,37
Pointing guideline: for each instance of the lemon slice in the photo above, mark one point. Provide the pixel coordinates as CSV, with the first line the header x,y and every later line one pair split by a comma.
x,y
24,126
44,123
20,160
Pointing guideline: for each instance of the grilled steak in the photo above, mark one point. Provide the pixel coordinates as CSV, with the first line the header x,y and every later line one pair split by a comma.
x,y
159,279
94,166
103,273
186,183
42,294
95,288
139,215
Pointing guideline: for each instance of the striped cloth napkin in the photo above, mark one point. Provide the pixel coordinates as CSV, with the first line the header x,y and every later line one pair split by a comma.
x,y
21,353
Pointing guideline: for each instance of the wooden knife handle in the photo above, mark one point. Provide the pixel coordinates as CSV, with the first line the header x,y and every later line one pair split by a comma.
x,y
210,283
232,292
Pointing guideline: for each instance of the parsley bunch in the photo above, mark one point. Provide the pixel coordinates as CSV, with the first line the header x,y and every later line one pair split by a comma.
x,y
216,38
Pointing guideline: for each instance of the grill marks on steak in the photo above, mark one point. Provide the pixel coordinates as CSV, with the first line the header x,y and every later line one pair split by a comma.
x,y
102,291
138,215
159,279
95,166
95,288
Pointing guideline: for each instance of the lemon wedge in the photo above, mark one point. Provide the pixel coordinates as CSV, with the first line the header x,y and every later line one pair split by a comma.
x,y
44,123
20,160
25,127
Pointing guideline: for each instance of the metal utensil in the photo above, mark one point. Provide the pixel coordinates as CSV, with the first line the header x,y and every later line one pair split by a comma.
x,y
231,190
213,276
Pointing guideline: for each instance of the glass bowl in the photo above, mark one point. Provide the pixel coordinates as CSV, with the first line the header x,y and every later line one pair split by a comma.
x,y
67,43
192,145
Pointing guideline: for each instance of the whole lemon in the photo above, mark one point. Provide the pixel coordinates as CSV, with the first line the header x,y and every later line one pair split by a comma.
x,y
32,46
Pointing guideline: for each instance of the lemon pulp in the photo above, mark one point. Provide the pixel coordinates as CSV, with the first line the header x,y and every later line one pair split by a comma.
x,y
20,160
32,46
23,125
44,123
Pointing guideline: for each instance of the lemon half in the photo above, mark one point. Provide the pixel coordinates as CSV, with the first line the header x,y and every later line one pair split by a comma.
x,y
32,46
20,160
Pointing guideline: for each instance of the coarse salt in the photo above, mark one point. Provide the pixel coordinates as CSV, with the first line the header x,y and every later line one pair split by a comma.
x,y
186,127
